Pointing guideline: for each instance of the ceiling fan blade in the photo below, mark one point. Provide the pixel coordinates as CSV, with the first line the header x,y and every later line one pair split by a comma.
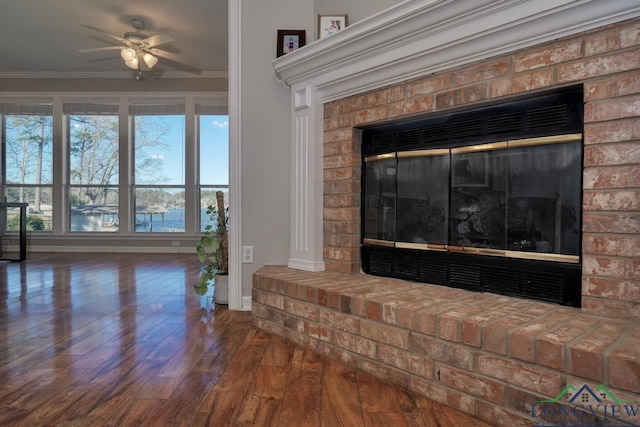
x,y
170,56
120,39
184,64
99,49
158,39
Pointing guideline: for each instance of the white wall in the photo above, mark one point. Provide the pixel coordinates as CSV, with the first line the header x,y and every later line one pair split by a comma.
x,y
266,140
266,121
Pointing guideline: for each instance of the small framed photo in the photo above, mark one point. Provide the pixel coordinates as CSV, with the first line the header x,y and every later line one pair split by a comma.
x,y
330,24
290,40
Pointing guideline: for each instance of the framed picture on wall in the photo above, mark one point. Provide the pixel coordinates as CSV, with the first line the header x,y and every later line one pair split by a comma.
x,y
330,24
289,41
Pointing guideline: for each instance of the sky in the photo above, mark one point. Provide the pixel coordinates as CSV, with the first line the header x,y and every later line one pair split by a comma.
x,y
214,151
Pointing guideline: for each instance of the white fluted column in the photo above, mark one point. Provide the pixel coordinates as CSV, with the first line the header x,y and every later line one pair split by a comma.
x,y
306,180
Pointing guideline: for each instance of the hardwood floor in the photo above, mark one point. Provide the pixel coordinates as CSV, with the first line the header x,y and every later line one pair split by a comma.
x,y
122,340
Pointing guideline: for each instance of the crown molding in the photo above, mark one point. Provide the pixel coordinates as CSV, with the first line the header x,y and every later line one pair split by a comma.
x,y
112,75
213,97
420,37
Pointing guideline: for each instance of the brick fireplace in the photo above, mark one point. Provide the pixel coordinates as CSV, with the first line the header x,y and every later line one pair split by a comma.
x,y
490,355
607,64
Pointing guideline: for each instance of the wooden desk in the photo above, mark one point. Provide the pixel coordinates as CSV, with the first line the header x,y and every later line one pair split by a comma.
x,y
23,228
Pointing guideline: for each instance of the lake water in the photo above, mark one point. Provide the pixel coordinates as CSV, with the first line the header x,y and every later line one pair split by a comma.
x,y
173,221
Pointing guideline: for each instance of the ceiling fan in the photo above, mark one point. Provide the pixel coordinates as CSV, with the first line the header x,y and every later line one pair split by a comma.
x,y
138,50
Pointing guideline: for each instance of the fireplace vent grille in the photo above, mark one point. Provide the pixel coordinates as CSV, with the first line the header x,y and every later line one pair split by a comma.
x,y
536,283
379,264
409,138
502,280
522,278
548,117
382,143
432,271
504,123
559,113
406,266
436,133
469,128
465,276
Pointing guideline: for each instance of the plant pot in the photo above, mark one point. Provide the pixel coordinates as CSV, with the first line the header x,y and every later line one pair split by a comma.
x,y
221,289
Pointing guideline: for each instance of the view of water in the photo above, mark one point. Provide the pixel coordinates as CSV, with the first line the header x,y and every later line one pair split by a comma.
x,y
173,221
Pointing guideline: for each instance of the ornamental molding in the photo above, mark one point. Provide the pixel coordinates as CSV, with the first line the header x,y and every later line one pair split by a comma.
x,y
420,37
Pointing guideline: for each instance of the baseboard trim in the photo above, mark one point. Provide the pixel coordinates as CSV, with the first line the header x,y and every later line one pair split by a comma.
x,y
246,303
106,249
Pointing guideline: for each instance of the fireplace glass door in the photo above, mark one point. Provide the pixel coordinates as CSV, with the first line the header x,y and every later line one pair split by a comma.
x,y
543,199
517,196
380,199
478,196
423,197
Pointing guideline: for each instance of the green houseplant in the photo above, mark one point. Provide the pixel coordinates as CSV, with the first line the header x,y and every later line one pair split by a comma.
x,y
213,251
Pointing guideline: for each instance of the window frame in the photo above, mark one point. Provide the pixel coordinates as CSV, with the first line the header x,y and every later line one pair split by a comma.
x,y
61,182
30,108
204,111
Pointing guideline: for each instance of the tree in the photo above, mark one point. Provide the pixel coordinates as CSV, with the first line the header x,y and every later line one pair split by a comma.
x,y
27,162
94,155
150,139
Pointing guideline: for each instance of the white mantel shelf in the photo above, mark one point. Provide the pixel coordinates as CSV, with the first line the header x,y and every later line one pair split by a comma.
x,y
419,37
412,39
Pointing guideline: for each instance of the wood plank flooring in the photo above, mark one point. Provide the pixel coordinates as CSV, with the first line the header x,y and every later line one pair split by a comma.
x,y
122,340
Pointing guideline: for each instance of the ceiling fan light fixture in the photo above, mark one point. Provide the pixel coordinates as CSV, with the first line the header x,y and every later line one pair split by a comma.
x,y
128,54
150,60
133,64
138,51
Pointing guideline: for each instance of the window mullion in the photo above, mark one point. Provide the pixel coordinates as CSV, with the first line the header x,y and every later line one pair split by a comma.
x,y
125,179
60,167
192,206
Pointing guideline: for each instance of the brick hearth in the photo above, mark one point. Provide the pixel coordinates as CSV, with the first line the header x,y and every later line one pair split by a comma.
x,y
491,356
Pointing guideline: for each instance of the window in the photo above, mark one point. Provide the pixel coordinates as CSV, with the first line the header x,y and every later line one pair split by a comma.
x,y
27,131
159,167
113,167
213,132
93,167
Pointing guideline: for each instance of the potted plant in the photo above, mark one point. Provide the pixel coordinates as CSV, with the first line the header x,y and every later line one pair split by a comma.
x,y
213,252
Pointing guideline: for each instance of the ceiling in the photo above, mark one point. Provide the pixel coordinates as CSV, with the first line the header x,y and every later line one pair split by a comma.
x,y
39,37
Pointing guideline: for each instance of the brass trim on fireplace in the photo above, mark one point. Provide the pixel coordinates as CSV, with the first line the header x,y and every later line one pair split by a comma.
x,y
527,142
545,140
378,242
476,251
479,147
380,157
424,153
573,259
482,251
421,246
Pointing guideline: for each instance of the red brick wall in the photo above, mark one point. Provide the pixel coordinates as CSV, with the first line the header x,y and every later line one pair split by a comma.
x,y
607,63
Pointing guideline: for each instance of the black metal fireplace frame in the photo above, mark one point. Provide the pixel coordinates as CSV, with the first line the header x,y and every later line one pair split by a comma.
x,y
547,114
